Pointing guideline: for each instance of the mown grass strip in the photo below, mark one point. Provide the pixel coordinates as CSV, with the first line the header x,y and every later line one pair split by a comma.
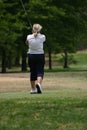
x,y
44,112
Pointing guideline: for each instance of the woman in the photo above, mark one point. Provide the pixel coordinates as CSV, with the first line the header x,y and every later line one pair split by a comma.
x,y
36,59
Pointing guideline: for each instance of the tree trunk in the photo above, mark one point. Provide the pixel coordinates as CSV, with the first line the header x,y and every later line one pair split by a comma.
x,y
3,61
65,59
24,64
9,62
17,61
50,60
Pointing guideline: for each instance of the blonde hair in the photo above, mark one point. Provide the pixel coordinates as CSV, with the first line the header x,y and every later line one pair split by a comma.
x,y
36,29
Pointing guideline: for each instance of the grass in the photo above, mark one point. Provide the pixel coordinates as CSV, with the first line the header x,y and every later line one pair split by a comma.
x,y
62,106
81,59
78,62
53,110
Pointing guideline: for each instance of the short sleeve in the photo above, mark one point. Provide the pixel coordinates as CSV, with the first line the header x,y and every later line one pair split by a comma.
x,y
28,37
43,38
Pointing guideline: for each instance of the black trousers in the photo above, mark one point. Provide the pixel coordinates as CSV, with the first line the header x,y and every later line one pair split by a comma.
x,y
36,63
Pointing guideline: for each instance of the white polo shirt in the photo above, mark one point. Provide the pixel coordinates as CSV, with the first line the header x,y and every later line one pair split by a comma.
x,y
36,43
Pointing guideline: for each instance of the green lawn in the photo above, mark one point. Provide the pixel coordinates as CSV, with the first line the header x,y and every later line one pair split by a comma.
x,y
52,110
60,107
81,61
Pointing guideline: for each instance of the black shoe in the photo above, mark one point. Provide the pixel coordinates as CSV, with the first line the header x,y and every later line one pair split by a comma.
x,y
38,88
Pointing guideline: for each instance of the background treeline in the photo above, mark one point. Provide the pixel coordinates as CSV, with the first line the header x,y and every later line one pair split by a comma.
x,y
64,24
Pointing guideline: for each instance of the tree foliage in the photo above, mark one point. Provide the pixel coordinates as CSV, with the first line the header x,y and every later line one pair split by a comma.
x,y
64,24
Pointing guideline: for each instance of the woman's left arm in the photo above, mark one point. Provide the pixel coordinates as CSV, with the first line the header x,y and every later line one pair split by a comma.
x,y
26,42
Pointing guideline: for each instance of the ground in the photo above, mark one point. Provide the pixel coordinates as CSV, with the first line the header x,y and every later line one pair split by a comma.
x,y
52,81
62,106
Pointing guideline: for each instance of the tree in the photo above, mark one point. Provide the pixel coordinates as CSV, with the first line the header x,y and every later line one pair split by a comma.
x,y
10,30
63,22
71,26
